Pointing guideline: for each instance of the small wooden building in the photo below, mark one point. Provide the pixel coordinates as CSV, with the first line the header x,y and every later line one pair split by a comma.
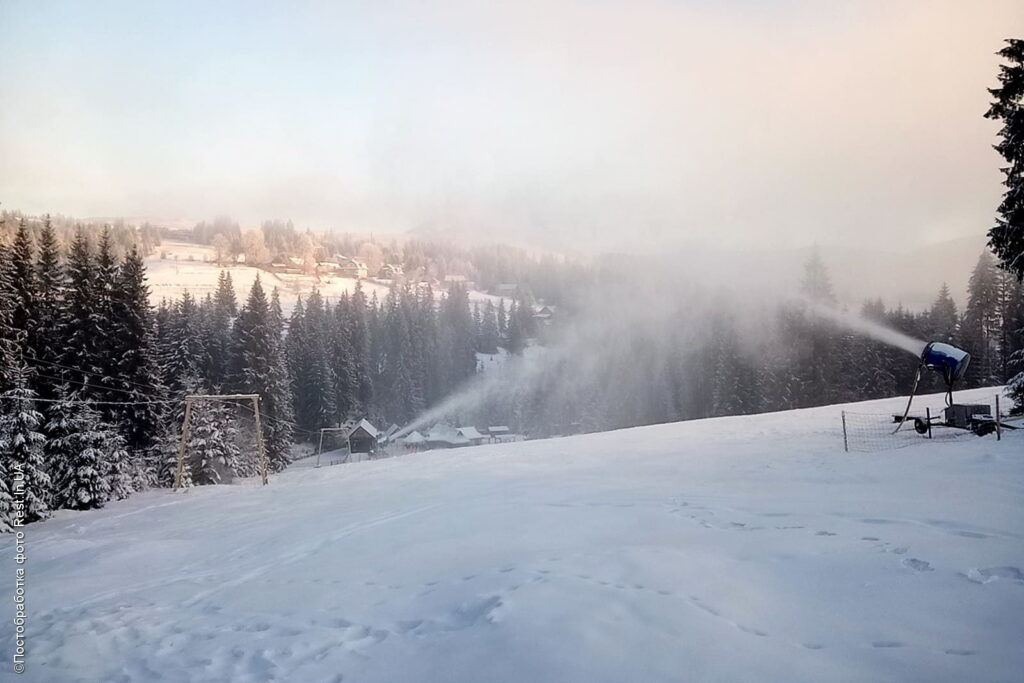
x,y
471,433
363,437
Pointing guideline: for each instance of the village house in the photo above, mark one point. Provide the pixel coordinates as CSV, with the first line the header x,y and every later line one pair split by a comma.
x,y
543,314
350,267
362,438
390,271
471,433
445,436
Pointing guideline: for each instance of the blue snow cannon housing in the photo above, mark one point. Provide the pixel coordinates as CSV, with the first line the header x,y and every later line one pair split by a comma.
x,y
947,360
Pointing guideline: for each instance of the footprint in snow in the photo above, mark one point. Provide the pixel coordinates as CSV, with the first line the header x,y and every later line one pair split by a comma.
x,y
917,565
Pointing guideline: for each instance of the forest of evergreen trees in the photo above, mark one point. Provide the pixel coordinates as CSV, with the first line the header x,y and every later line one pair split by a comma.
x,y
93,377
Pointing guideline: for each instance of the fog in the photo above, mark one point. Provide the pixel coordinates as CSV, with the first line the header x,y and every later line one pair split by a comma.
x,y
584,125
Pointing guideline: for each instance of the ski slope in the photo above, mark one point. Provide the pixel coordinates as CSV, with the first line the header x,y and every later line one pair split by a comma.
x,y
732,549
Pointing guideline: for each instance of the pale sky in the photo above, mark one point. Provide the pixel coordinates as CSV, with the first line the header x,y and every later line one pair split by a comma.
x,y
599,124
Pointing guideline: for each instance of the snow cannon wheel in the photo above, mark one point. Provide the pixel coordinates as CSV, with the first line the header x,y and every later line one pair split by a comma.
x,y
920,426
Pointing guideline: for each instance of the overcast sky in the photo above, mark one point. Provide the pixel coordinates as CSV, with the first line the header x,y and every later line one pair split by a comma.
x,y
599,124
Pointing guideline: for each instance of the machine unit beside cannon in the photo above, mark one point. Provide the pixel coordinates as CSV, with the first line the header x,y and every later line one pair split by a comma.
x,y
951,363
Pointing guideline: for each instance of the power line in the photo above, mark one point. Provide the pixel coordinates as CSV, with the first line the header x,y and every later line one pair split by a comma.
x,y
80,401
63,380
94,374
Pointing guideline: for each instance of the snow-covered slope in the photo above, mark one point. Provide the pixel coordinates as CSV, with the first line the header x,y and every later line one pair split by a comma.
x,y
170,277
733,549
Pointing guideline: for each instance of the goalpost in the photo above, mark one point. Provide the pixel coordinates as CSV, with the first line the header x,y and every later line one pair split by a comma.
x,y
320,446
260,449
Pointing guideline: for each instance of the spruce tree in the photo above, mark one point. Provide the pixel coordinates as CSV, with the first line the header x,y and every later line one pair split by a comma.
x,y
943,317
81,330
212,449
21,445
25,315
979,329
10,339
76,448
135,370
45,342
261,369
104,291
1007,237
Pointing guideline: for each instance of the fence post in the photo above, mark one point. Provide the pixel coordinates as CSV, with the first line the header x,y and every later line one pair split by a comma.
x,y
846,442
928,416
999,428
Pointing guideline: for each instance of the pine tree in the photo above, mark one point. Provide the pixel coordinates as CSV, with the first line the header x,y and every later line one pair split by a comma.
x,y
816,284
10,339
182,355
220,319
135,370
104,291
6,499
75,448
49,309
980,326
81,332
1007,237
359,340
943,317
25,315
262,370
21,446
489,332
212,449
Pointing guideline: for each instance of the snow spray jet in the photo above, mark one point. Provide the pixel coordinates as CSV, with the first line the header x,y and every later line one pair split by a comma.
x,y
869,328
947,360
516,373
603,333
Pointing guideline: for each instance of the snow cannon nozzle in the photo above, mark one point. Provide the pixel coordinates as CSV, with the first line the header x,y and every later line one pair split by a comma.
x,y
946,359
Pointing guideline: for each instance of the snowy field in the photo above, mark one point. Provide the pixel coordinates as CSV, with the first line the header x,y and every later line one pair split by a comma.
x,y
169,278
733,549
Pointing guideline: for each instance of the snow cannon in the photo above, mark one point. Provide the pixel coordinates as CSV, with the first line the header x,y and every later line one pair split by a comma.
x,y
947,360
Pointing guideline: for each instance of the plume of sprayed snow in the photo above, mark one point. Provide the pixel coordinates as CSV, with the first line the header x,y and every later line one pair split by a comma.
x,y
615,314
661,307
870,328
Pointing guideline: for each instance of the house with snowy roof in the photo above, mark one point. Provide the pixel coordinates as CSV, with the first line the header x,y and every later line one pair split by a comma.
x,y
413,441
444,435
362,438
350,267
471,433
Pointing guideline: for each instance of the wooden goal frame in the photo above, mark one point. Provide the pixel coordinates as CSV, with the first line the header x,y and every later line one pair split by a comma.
x,y
189,400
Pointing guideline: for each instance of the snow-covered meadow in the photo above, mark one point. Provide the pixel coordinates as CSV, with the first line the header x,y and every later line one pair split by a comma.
x,y
170,277
732,549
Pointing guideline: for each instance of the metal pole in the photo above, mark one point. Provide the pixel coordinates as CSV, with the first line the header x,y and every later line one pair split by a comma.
x,y
999,427
319,447
928,416
181,447
259,439
846,442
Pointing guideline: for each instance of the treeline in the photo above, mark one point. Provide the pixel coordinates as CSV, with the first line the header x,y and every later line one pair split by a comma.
x,y
93,378
92,381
